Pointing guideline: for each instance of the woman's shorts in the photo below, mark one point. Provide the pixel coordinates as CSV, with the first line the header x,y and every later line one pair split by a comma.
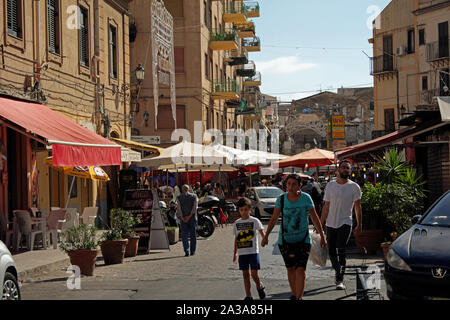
x,y
295,255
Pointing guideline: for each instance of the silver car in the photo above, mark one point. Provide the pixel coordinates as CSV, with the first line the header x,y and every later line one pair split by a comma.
x,y
8,275
263,200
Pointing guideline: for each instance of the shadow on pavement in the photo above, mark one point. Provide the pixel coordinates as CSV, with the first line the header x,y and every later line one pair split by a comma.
x,y
279,296
321,290
165,258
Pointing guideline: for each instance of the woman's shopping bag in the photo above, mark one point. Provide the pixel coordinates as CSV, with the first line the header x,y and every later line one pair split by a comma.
x,y
318,255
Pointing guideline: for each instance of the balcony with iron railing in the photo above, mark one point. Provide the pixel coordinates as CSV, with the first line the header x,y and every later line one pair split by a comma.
x,y
254,81
225,90
427,97
247,70
252,95
236,57
382,64
245,30
234,12
438,50
253,9
223,39
252,44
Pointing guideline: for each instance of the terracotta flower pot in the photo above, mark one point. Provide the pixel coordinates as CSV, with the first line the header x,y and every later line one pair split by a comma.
x,y
368,239
132,247
113,251
385,246
85,260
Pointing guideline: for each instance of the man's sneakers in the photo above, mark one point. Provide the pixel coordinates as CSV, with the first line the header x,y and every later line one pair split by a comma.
x,y
261,293
293,297
340,285
248,299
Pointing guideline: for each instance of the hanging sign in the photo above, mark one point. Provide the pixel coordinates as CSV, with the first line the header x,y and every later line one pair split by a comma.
x,y
163,55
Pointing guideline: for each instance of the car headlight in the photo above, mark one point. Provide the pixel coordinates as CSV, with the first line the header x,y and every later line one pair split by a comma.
x,y
396,262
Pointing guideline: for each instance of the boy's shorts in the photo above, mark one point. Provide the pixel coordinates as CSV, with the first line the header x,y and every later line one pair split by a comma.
x,y
249,261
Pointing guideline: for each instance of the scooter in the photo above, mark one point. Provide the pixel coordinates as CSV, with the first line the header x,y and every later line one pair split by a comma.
x,y
207,220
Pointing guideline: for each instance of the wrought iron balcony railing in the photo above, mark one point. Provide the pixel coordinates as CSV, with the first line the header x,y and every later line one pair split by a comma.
x,y
382,64
438,50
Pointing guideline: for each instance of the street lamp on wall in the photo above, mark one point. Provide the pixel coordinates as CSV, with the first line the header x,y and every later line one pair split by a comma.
x,y
140,76
140,73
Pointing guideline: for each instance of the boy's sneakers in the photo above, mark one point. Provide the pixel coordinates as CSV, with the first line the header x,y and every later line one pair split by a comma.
x,y
261,293
340,285
293,297
248,298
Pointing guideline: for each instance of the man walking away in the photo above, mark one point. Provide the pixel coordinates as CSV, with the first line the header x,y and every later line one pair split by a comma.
x,y
187,212
340,197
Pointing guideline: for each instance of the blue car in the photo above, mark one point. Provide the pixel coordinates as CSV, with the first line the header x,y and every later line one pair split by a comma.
x,y
418,262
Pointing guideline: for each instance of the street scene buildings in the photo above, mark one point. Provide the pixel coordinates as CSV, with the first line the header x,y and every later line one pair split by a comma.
x,y
109,108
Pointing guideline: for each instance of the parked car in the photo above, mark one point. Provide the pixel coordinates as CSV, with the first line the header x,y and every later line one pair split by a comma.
x,y
8,275
263,200
418,262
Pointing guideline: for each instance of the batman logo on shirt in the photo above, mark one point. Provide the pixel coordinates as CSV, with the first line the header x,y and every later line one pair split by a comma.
x,y
245,235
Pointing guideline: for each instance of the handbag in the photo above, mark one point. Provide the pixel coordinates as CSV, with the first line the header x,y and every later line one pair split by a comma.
x,y
289,247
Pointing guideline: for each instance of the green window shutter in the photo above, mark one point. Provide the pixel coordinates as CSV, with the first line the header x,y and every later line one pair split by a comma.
x,y
52,26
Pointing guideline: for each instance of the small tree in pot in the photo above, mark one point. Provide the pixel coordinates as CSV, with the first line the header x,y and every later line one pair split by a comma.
x,y
113,246
81,246
126,222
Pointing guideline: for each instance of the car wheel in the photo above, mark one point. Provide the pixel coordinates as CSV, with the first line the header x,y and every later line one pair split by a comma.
x,y
10,289
257,214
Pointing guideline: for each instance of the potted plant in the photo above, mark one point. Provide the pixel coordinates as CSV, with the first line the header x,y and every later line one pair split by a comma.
x,y
81,246
126,222
173,235
113,246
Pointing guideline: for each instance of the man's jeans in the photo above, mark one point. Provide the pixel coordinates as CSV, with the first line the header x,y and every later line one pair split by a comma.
x,y
337,240
188,231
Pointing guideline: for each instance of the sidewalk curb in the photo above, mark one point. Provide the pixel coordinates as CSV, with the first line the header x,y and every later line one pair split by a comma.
x,y
33,273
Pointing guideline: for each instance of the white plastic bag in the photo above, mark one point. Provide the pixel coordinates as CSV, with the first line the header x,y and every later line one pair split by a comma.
x,y
318,255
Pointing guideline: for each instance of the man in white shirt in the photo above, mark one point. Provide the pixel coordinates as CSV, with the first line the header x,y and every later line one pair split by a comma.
x,y
340,198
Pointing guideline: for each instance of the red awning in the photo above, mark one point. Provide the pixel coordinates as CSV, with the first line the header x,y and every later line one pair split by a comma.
x,y
72,144
388,139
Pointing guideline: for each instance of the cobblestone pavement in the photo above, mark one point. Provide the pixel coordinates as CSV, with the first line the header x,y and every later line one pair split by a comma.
x,y
209,275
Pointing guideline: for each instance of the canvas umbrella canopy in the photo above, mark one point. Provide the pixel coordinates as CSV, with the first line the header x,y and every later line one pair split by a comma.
x,y
185,153
249,157
92,173
312,158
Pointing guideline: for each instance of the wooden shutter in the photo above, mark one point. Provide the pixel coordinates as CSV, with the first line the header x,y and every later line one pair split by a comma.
x,y
52,26
389,121
14,27
443,40
179,60
165,119
113,52
84,38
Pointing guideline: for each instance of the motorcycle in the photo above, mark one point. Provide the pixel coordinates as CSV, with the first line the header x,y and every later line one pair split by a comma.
x,y
207,220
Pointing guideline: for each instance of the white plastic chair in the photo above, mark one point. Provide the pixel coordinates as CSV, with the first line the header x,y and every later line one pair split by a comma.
x,y
89,214
72,219
54,226
25,228
6,234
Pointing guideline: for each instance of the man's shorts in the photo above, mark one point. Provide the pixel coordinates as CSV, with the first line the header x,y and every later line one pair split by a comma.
x,y
295,255
249,261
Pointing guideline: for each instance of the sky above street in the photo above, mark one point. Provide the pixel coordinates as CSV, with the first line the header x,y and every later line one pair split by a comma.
x,y
308,46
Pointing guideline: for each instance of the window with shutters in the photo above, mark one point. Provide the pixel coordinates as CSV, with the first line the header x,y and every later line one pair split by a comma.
x,y
113,52
179,60
84,37
165,117
53,26
421,37
14,10
411,41
389,120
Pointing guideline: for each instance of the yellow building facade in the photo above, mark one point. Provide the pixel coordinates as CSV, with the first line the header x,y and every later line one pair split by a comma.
x,y
410,59
72,56
209,49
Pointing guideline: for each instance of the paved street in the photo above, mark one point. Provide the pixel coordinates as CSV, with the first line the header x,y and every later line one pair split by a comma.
x,y
209,275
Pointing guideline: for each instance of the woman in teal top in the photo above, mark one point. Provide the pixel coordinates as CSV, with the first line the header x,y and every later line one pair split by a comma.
x,y
294,240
